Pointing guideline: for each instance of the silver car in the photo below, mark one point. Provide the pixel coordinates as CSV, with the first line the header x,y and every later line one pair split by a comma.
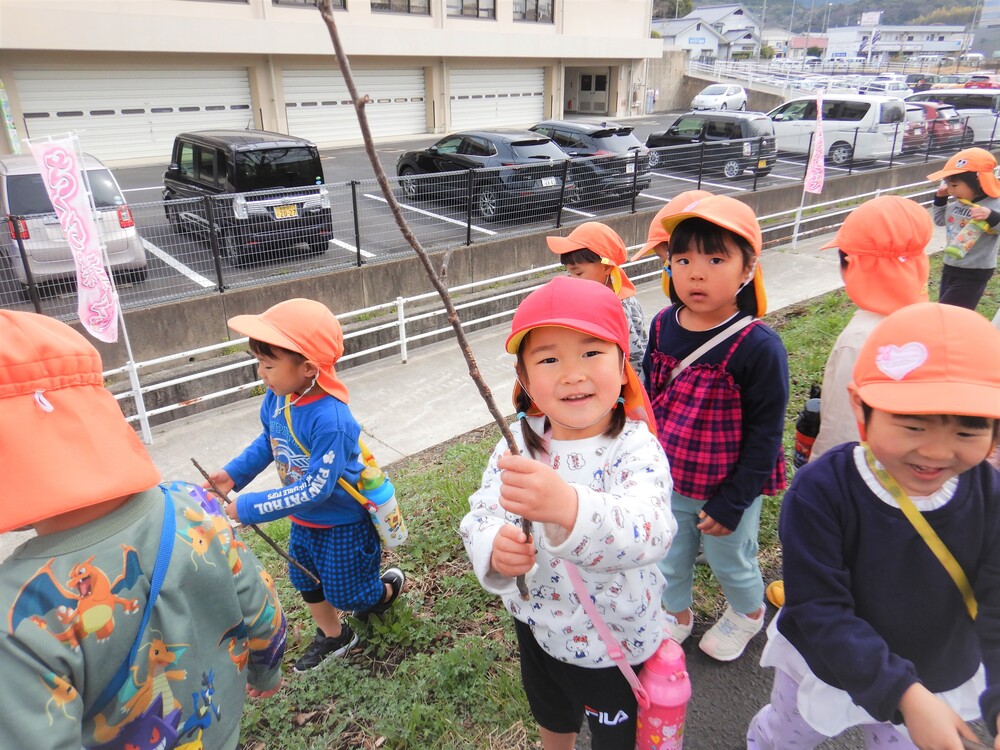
x,y
28,212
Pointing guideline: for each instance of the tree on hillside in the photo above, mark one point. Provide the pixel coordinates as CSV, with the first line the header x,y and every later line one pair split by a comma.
x,y
672,8
957,15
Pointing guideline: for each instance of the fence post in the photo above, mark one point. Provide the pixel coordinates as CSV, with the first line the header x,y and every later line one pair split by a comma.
x,y
760,154
701,164
357,224
33,295
562,193
401,327
635,178
809,149
854,150
892,151
468,210
213,240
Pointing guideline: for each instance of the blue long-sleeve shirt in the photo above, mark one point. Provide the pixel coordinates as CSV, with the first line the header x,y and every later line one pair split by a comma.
x,y
869,607
320,447
759,367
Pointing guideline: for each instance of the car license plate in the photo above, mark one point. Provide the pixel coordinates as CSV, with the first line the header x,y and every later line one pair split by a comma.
x,y
548,181
286,212
761,163
630,168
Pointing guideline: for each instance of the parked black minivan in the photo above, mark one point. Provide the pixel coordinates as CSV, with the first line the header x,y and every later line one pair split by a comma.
x,y
275,198
718,142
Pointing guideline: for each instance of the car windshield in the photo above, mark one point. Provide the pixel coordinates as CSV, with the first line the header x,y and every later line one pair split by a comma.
x,y
616,141
277,167
915,115
541,148
714,91
26,193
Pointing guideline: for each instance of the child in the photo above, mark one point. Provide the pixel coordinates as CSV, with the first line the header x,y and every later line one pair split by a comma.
x,y
969,180
93,653
596,484
312,438
875,629
883,261
594,251
720,419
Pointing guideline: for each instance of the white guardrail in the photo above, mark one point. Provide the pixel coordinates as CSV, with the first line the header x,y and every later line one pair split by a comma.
x,y
778,228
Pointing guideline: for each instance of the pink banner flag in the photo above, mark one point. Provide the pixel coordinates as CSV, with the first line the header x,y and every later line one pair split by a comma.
x,y
97,304
816,172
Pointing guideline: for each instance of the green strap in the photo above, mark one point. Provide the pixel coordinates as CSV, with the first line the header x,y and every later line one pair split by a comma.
x,y
927,533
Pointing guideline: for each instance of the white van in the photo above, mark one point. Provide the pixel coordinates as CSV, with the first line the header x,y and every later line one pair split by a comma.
x,y
854,126
980,108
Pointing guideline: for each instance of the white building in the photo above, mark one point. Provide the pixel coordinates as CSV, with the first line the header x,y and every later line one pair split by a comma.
x,y
776,39
894,41
691,34
128,76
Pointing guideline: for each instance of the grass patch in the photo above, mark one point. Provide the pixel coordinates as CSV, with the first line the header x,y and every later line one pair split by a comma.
x,y
440,670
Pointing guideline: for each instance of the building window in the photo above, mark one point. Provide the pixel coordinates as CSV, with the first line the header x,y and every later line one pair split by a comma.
x,y
416,7
342,4
472,8
533,10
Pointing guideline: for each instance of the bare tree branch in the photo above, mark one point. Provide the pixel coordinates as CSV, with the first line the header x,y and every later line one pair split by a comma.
x,y
326,10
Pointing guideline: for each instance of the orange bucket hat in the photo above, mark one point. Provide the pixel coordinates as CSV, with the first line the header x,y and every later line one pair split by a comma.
x,y
977,160
589,308
657,234
603,240
885,240
304,326
931,358
55,406
738,218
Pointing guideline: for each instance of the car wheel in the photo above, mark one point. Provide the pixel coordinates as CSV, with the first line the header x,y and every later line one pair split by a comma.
x,y
488,202
764,172
173,218
229,249
723,106
408,185
655,157
970,136
743,106
732,169
840,153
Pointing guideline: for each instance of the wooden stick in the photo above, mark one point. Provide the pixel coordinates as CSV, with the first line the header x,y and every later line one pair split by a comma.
x,y
326,10
270,542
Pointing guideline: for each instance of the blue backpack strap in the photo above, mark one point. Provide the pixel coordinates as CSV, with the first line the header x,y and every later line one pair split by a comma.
x,y
159,573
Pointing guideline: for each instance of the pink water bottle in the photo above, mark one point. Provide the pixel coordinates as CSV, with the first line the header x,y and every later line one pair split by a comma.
x,y
665,677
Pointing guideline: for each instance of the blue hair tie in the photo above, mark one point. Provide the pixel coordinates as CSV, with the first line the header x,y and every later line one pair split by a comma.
x,y
621,399
521,415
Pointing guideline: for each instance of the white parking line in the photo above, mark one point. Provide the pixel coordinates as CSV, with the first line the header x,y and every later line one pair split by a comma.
x,y
785,177
175,264
703,182
136,190
351,248
579,212
429,213
656,197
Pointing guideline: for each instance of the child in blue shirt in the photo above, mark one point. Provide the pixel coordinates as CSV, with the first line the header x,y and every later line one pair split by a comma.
x,y
312,438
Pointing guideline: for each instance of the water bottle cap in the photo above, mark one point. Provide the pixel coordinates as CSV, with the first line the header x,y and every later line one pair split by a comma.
x,y
813,404
371,477
668,659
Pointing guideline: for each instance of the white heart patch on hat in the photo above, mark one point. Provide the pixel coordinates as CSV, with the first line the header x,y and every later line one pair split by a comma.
x,y
899,361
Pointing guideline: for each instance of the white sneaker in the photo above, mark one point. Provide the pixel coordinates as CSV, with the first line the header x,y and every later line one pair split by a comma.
x,y
677,631
728,638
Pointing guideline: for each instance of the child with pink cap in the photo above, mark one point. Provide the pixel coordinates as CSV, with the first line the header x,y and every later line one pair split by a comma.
x,y
594,251
890,553
969,192
134,594
595,482
312,438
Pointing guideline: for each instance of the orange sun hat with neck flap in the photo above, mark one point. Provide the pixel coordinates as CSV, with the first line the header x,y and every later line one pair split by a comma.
x,y
738,218
304,326
592,309
66,446
657,234
604,241
885,240
977,160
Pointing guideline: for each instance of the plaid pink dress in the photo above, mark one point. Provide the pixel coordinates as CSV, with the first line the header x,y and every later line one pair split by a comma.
x,y
699,422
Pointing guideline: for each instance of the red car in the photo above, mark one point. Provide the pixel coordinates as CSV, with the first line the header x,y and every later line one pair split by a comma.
x,y
983,81
945,127
915,129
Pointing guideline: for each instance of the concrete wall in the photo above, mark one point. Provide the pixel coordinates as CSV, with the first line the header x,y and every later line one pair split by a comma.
x,y
678,89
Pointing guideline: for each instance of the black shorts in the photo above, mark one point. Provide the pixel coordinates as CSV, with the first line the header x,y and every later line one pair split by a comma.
x,y
561,694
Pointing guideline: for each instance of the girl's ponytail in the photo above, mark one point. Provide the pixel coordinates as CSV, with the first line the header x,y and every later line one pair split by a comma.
x,y
532,440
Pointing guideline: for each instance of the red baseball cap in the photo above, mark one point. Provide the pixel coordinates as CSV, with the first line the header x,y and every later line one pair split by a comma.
x,y
304,326
593,309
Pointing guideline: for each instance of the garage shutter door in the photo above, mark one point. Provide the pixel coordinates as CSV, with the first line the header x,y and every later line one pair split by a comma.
x,y
319,108
496,97
132,115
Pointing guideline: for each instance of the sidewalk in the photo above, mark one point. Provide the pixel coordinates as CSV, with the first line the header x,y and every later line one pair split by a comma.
x,y
408,408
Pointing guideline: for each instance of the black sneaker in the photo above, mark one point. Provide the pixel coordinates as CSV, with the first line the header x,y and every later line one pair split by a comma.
x,y
322,648
395,578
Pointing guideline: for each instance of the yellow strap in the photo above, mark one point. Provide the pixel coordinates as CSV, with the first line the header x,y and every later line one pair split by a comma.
x,y
927,533
366,456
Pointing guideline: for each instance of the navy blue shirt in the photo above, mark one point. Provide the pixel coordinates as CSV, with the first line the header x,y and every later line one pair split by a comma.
x,y
868,605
